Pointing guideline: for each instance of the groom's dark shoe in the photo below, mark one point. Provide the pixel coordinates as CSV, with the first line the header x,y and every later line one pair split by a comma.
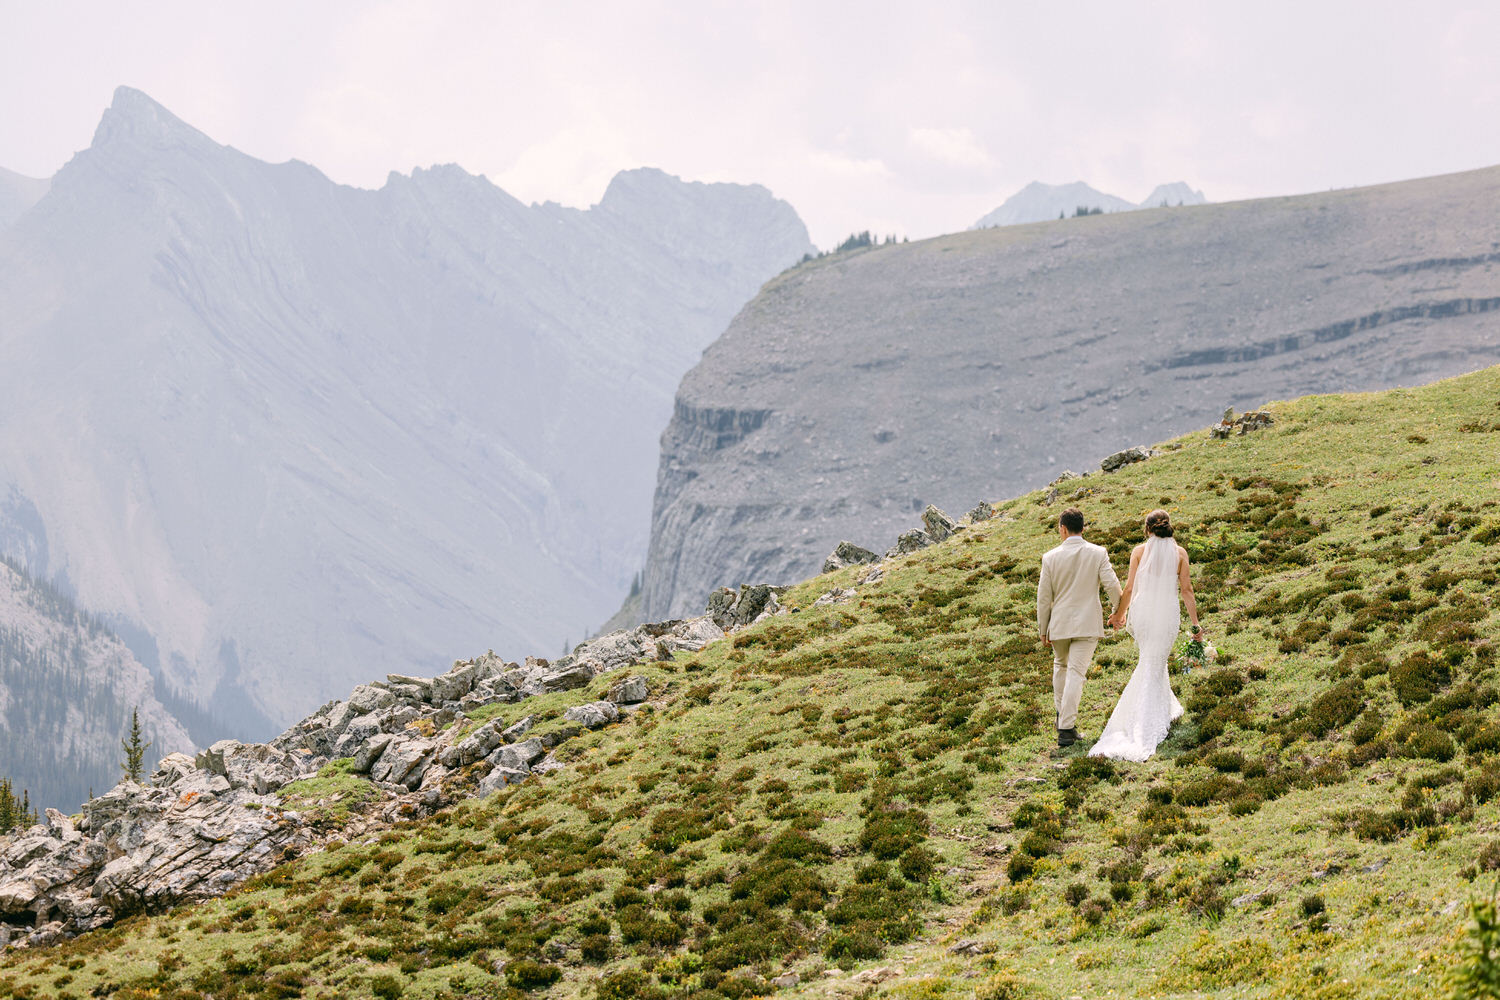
x,y
1067,737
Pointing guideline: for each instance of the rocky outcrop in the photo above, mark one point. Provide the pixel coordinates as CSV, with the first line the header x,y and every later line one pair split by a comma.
x,y
1255,420
940,527
204,824
847,554
1128,456
730,609
978,364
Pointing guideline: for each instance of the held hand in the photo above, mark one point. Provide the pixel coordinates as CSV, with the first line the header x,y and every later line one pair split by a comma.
x,y
1116,620
1046,641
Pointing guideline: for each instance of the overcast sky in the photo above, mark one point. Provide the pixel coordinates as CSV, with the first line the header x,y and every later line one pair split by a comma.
x,y
909,118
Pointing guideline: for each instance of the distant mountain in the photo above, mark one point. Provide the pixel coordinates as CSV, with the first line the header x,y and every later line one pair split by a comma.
x,y
965,367
17,194
1038,202
67,688
1172,195
287,434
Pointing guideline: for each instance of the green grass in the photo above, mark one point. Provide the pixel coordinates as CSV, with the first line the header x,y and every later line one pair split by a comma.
x,y
867,784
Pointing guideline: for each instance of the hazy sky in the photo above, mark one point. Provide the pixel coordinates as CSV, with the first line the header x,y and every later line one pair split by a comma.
x,y
911,118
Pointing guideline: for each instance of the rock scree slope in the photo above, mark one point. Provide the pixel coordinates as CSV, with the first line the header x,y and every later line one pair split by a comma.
x,y
856,389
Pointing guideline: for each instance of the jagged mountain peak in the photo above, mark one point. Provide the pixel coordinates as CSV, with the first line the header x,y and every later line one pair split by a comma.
x,y
133,115
1175,193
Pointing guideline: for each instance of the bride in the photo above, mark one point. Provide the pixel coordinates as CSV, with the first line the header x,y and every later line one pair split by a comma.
x,y
1147,708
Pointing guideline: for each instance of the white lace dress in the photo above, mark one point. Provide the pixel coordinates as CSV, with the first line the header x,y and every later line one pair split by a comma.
x,y
1147,708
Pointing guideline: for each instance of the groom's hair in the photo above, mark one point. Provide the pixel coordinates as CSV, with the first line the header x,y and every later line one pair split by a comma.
x,y
1072,519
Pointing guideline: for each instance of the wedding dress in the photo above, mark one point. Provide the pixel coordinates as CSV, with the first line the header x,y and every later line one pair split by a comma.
x,y
1147,708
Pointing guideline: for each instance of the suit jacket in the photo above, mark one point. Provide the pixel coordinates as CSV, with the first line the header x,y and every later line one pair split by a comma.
x,y
1067,595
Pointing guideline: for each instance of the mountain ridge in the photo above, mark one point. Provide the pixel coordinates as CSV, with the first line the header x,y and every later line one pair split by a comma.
x,y
1011,354
257,402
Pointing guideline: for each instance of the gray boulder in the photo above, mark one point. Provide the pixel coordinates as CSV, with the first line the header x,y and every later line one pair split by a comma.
x,y
939,525
630,691
404,760
256,766
366,754
513,733
498,778
476,746
457,682
1129,456
848,554
364,699
570,676
357,733
909,542
423,685
519,756
730,609
173,768
982,511
594,714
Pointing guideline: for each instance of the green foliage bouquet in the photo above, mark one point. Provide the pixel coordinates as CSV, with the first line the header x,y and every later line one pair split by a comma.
x,y
1195,653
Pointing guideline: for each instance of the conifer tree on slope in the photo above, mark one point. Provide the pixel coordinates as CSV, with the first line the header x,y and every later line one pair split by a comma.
x,y
135,750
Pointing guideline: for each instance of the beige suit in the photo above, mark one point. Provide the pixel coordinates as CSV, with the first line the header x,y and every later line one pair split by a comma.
x,y
1068,613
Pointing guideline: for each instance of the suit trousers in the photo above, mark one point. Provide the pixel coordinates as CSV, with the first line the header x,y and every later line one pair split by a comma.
x,y
1071,659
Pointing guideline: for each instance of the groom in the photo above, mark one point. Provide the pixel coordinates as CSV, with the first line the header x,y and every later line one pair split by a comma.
x,y
1068,615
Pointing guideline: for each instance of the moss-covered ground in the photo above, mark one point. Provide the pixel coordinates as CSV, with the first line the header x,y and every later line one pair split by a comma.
x,y
875,784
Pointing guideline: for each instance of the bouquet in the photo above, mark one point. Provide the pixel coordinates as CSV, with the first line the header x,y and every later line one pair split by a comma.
x,y
1195,653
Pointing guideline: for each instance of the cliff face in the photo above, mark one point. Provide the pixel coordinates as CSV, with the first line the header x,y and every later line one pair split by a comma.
x,y
297,433
856,389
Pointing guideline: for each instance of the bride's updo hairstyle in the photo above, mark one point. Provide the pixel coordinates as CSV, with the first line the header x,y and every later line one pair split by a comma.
x,y
1159,523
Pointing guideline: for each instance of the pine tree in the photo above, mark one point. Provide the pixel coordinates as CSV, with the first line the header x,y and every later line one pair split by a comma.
x,y
7,807
135,750
28,815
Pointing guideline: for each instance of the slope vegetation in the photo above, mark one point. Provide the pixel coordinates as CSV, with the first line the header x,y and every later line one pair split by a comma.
x,y
865,796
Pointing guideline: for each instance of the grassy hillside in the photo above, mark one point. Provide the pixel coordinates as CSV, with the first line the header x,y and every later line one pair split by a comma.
x,y
874,785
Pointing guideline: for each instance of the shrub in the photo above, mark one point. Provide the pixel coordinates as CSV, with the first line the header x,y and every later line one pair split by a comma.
x,y
1020,867
594,923
524,974
1478,973
1484,784
386,987
1418,677
628,985
1489,856
1227,761
917,864
1338,706
1425,741
596,948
